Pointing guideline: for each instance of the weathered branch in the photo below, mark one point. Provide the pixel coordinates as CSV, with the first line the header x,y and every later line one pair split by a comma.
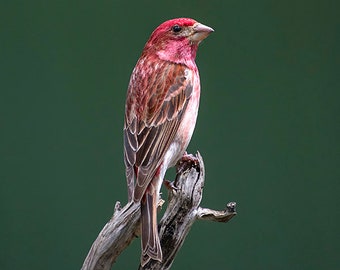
x,y
182,211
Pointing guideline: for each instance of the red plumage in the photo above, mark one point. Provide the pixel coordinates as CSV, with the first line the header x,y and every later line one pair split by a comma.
x,y
160,116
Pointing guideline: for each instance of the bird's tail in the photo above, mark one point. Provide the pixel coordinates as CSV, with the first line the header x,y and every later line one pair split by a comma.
x,y
151,247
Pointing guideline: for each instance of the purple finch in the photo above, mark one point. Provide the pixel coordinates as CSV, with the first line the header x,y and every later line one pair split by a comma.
x,y
160,116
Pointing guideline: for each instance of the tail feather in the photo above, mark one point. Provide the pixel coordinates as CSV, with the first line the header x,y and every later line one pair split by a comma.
x,y
151,248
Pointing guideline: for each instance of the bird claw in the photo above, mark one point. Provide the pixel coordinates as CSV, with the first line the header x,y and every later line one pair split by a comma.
x,y
170,185
187,161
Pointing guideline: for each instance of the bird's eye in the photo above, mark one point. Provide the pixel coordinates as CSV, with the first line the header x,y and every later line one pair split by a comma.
x,y
176,28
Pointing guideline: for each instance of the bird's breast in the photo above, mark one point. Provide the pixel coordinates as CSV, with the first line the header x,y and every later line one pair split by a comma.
x,y
188,122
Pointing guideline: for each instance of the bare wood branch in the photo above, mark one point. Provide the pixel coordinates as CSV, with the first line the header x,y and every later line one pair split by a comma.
x,y
116,235
218,216
182,211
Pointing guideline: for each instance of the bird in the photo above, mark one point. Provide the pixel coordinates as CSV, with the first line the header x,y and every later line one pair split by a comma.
x,y
161,109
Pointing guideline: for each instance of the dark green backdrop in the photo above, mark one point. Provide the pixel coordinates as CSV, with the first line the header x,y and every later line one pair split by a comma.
x,y
268,129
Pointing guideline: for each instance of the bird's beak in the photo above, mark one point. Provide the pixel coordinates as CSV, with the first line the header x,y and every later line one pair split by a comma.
x,y
200,32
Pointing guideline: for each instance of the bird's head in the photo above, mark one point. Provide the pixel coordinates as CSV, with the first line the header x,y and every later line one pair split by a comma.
x,y
177,40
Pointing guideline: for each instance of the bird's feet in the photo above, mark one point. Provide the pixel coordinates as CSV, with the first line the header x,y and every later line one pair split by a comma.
x,y
170,185
187,161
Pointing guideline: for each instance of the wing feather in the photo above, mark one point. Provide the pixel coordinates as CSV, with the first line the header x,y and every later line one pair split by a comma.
x,y
152,119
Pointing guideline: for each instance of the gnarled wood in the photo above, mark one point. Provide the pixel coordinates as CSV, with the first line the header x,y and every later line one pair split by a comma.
x,y
182,211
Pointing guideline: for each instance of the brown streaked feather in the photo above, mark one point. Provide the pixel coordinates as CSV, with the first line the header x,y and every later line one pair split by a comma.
x,y
151,247
152,119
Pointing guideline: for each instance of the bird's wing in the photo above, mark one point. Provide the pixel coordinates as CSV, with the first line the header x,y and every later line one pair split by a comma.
x,y
152,119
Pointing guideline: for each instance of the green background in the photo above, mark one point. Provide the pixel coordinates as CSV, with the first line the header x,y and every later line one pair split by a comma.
x,y
268,129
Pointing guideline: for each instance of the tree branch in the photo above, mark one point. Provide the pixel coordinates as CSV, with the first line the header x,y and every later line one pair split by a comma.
x,y
182,211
